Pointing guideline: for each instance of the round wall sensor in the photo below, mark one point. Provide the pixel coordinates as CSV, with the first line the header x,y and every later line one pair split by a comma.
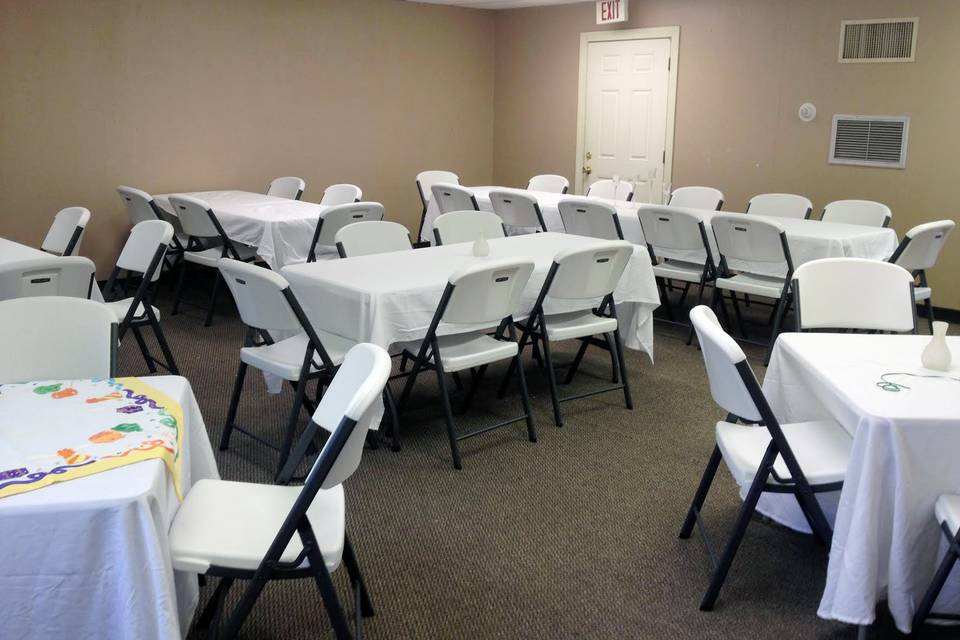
x,y
807,112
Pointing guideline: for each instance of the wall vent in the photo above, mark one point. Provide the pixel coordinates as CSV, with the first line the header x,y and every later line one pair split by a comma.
x,y
880,40
870,141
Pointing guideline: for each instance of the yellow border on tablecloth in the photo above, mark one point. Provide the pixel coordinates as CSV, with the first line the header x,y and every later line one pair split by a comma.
x,y
172,462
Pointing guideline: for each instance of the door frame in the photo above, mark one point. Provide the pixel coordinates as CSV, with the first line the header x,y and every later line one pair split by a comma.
x,y
671,33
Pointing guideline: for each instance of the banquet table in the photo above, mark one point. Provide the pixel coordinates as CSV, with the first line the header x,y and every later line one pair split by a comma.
x,y
11,252
89,558
391,297
281,229
886,542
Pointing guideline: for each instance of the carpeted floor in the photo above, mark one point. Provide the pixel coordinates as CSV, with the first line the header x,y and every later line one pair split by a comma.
x,y
572,537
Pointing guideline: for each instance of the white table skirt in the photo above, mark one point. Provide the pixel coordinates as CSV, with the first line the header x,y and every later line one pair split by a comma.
x,y
885,539
89,558
11,251
280,229
391,297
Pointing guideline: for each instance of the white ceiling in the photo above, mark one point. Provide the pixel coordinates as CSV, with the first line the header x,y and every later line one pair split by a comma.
x,y
498,4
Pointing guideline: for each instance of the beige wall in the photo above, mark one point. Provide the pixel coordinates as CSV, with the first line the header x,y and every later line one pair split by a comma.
x,y
745,67
186,95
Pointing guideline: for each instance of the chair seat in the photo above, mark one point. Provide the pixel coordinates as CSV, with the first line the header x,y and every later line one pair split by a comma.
x,y
947,510
232,524
468,350
210,257
822,448
679,270
577,324
767,286
120,308
285,357
922,293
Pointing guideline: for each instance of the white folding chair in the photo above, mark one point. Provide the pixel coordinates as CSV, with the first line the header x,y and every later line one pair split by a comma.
x,y
917,252
425,182
863,212
467,226
668,230
259,532
762,455
610,190
143,255
289,187
453,197
476,299
66,276
586,217
854,294
337,194
580,275
947,512
64,236
142,207
56,338
200,223
374,236
697,198
549,183
763,243
336,218
518,210
780,205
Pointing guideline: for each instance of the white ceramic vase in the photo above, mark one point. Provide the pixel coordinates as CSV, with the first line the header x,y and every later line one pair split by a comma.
x,y
936,355
481,248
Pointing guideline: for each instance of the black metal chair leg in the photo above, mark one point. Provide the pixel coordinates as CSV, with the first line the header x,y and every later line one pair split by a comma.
x,y
930,597
329,594
621,358
614,366
214,608
213,299
234,404
777,323
475,380
179,290
552,382
292,424
448,415
703,284
164,347
243,608
356,576
928,305
143,348
739,317
665,299
701,495
391,406
525,399
572,369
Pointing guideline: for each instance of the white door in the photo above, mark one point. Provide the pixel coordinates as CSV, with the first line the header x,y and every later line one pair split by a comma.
x,y
625,117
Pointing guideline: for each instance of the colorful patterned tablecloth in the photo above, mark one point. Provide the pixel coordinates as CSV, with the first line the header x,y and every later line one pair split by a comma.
x,y
54,431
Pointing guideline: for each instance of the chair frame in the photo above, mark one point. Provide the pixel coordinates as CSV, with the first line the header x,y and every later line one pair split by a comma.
x,y
886,219
565,189
536,209
925,610
806,216
576,202
174,255
341,250
669,200
299,189
312,253
798,310
919,274
436,232
629,197
71,243
426,204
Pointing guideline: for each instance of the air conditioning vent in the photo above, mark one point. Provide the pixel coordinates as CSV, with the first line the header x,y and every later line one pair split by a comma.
x,y
870,141
883,40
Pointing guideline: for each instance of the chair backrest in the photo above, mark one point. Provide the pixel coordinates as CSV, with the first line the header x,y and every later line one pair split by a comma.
x,y
145,247
196,217
426,180
64,236
864,212
467,226
337,194
670,229
921,245
549,182
486,292
586,217
697,198
780,205
453,197
726,365
517,209
374,236
262,296
744,238
55,338
67,276
139,204
339,216
853,293
593,271
290,187
611,191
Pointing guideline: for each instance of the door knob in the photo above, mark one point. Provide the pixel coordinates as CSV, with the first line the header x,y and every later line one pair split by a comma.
x,y
589,155
587,169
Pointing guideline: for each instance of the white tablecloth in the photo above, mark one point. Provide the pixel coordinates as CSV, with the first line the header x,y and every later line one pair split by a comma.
x,y
391,297
280,229
885,539
89,558
11,251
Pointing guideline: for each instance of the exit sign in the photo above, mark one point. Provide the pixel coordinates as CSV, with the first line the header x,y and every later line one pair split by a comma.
x,y
609,11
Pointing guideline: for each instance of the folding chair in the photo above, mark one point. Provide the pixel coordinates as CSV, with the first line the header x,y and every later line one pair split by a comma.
x,y
337,194
697,198
780,205
255,532
64,236
336,218
947,512
141,207
518,210
862,212
199,222
579,275
56,338
453,197
65,276
374,236
803,459
917,252
549,183
481,295
425,182
467,226
610,190
289,187
143,254
586,217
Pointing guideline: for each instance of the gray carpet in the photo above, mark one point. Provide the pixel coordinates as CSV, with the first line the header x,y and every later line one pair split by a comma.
x,y
574,536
